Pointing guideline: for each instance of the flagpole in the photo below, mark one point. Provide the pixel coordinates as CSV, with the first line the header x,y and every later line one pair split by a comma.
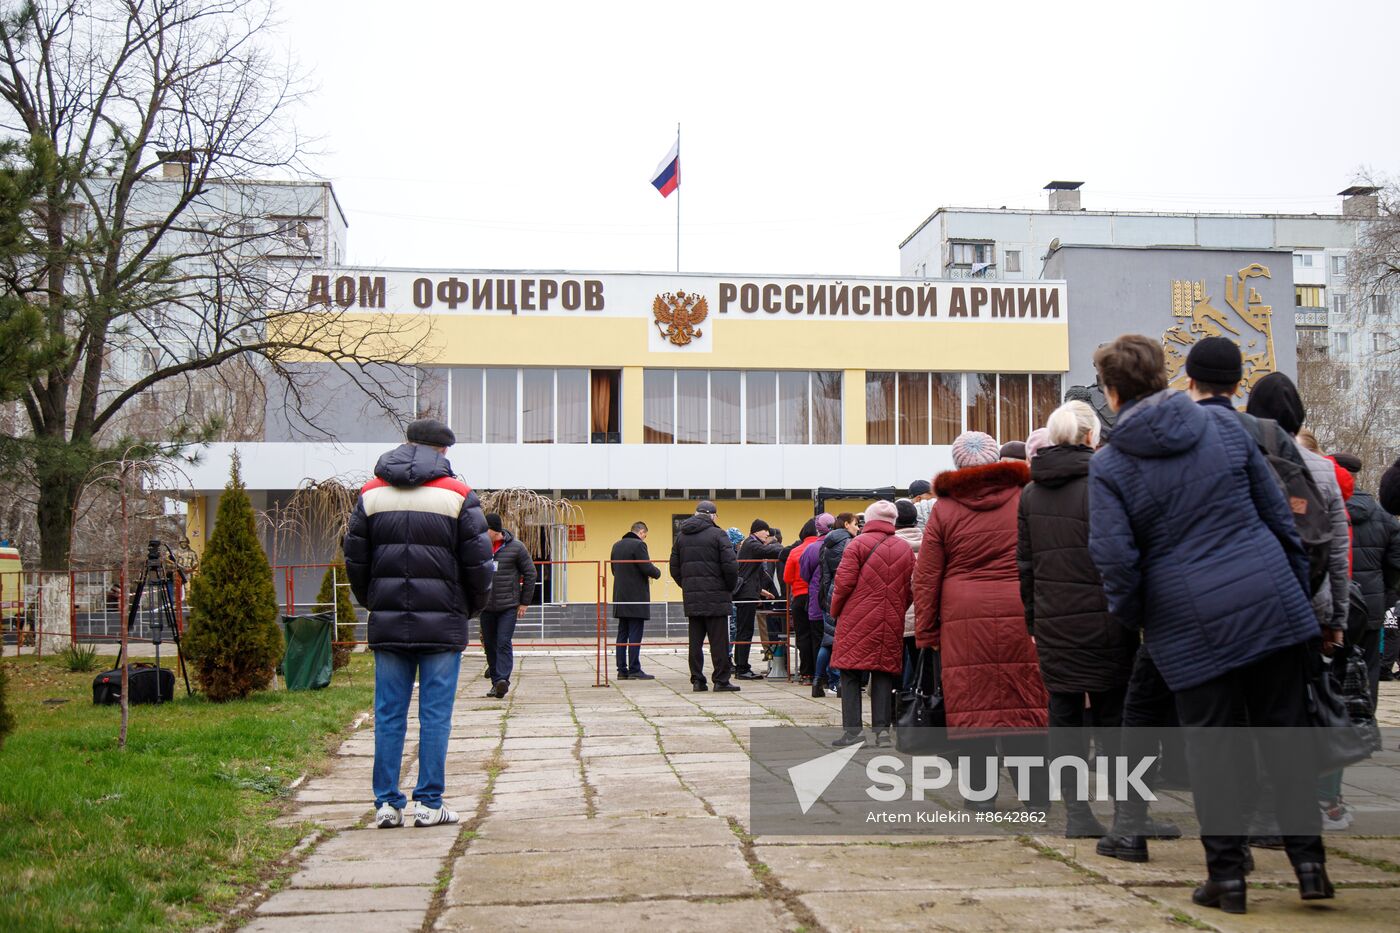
x,y
678,199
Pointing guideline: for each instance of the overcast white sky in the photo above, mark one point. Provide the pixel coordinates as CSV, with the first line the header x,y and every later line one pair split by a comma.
x,y
816,136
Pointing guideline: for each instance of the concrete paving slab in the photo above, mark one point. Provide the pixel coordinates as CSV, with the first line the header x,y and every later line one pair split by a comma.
x,y
605,874
389,921
1354,910
630,917
1384,852
906,868
1099,908
372,844
386,871
496,836
347,901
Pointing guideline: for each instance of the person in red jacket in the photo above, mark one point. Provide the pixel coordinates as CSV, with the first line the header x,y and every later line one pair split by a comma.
x,y
967,600
807,640
870,595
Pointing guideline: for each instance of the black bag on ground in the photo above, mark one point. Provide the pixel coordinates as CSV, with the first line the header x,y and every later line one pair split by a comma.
x,y
921,724
145,682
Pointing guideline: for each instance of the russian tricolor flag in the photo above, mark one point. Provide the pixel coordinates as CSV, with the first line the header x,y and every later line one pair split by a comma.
x,y
667,177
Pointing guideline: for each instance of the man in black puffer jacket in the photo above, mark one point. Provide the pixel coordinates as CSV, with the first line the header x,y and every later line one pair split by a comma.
x,y
755,585
419,560
704,565
512,591
1375,565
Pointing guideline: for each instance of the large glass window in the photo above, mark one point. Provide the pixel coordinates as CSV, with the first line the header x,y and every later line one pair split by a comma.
x,y
761,407
432,395
879,408
659,406
572,398
946,408
913,408
467,403
826,407
1045,397
725,406
1015,407
692,406
982,402
793,407
501,407
537,414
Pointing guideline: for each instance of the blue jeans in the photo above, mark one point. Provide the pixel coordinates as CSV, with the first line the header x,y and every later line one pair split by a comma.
x,y
825,670
629,645
497,630
393,688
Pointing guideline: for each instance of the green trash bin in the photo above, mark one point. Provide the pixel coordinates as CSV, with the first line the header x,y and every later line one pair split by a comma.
x,y
307,663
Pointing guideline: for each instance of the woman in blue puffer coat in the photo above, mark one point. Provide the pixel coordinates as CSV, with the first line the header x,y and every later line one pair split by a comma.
x,y
1196,545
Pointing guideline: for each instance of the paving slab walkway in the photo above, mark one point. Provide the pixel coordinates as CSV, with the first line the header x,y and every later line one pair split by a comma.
x,y
626,808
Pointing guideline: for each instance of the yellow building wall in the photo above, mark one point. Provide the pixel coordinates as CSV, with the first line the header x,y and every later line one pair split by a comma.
x,y
612,342
633,411
197,523
605,522
853,406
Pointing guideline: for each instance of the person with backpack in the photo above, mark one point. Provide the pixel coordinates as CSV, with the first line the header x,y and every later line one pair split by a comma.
x,y
1375,554
1197,549
870,594
1276,397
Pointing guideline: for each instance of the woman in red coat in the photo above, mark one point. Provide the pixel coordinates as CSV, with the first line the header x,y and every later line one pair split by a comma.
x,y
869,599
967,597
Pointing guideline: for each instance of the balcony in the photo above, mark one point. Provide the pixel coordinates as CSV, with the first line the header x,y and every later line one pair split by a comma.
x,y
1310,317
977,270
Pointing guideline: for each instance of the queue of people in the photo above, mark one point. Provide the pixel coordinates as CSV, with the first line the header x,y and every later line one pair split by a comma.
x,y
1197,566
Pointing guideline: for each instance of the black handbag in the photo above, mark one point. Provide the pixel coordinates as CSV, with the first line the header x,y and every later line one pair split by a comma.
x,y
1339,741
921,723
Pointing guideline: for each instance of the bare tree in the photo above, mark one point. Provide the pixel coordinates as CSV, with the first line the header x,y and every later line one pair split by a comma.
x,y
1351,409
145,246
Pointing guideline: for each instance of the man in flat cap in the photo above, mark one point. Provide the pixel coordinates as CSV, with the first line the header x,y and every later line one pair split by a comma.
x,y
419,560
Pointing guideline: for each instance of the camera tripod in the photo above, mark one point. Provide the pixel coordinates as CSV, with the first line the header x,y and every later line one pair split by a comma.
x,y
157,575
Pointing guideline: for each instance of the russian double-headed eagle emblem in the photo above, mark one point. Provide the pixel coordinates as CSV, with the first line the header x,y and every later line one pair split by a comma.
x,y
677,315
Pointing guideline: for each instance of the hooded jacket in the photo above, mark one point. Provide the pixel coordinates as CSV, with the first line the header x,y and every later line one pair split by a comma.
x,y
809,572
513,583
632,572
417,554
1082,648
1375,556
1195,541
869,596
967,600
792,575
705,567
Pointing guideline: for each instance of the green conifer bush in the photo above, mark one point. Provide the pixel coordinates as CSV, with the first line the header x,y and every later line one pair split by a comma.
x,y
234,642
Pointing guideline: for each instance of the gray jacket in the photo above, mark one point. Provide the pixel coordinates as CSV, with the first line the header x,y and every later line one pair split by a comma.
x,y
514,581
1331,601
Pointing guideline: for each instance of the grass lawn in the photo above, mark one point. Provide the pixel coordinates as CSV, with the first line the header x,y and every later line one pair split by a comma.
x,y
168,832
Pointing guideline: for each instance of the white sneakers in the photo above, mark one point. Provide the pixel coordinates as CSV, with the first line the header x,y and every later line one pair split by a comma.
x,y
391,817
422,816
388,817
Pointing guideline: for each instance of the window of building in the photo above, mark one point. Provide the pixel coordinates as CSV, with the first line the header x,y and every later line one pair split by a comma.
x,y
880,410
982,402
1342,341
913,400
1303,260
966,254
502,411
692,406
725,406
1014,413
572,397
1378,342
537,411
1308,296
731,407
1339,265
430,399
826,407
945,407
1380,305
1045,397
605,405
659,406
1013,260
761,408
1339,305
466,403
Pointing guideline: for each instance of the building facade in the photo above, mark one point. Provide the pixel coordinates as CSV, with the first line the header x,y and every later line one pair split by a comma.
x,y
634,395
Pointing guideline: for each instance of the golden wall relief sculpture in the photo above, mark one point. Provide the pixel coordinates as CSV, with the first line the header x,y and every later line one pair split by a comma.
x,y
1252,326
